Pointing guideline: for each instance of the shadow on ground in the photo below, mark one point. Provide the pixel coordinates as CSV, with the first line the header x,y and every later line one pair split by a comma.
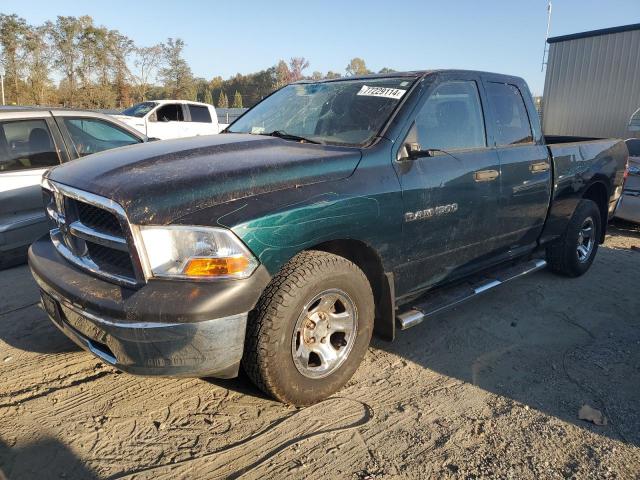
x,y
47,458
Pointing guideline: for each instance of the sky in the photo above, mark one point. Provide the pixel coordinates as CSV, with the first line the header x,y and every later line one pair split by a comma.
x,y
242,36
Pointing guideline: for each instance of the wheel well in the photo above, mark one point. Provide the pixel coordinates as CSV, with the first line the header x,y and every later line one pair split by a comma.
x,y
598,193
368,260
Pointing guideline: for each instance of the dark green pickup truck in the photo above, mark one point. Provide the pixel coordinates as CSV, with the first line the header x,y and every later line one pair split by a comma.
x,y
329,211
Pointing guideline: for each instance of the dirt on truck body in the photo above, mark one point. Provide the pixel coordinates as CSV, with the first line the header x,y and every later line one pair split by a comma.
x,y
328,211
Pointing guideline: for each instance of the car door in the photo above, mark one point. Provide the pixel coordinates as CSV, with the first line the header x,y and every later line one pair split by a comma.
x,y
86,134
200,120
168,121
525,167
29,145
450,191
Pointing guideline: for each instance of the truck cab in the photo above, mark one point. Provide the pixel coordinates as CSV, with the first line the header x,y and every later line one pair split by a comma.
x,y
163,119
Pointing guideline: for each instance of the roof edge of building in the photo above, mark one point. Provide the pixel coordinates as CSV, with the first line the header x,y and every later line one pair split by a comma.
x,y
594,33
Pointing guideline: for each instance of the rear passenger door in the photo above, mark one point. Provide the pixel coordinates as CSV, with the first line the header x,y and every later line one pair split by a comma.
x,y
525,167
450,195
201,121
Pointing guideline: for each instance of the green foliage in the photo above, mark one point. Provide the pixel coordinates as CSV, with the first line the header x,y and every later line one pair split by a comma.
x,y
208,98
176,74
357,66
223,101
237,100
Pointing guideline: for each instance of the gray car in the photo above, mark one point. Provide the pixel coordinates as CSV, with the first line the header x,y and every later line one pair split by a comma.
x,y
629,206
31,141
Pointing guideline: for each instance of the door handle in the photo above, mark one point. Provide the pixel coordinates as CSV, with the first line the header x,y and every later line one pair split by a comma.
x,y
485,175
539,167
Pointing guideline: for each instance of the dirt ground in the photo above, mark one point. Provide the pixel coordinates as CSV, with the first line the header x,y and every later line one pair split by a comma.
x,y
491,389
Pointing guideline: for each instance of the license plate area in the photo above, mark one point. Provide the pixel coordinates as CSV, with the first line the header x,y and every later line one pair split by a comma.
x,y
52,307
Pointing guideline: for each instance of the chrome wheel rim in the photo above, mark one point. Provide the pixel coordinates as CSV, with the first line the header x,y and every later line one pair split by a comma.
x,y
586,240
324,333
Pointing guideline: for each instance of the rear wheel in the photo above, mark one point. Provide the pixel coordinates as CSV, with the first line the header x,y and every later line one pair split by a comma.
x,y
573,253
310,329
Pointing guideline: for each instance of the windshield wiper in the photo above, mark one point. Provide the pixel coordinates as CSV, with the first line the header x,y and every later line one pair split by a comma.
x,y
289,136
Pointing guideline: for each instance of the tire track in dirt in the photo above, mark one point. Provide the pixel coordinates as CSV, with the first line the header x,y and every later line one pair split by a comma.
x,y
242,457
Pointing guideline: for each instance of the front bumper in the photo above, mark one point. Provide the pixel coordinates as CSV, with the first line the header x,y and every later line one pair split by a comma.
x,y
169,328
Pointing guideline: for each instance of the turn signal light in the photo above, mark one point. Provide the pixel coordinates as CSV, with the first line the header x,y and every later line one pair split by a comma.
x,y
212,267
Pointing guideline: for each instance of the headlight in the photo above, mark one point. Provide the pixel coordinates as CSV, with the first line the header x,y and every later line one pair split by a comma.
x,y
195,253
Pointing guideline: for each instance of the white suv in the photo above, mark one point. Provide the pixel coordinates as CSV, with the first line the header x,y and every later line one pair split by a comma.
x,y
163,119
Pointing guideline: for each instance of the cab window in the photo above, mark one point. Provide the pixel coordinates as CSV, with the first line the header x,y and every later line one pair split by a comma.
x,y
199,114
26,144
91,135
510,118
451,118
171,112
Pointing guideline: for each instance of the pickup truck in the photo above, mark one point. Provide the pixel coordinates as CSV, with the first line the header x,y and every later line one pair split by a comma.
x,y
329,211
33,139
163,119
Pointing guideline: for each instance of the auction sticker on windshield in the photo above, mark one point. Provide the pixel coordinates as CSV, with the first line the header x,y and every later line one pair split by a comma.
x,y
385,92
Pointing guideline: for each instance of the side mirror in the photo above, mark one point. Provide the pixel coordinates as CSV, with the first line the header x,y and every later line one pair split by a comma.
x,y
152,139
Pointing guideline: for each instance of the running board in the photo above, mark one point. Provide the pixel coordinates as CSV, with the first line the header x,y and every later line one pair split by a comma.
x,y
451,297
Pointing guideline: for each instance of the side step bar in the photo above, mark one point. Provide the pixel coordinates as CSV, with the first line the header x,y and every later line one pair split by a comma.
x,y
451,297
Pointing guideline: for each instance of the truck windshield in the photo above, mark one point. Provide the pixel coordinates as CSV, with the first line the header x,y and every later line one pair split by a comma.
x,y
139,109
344,112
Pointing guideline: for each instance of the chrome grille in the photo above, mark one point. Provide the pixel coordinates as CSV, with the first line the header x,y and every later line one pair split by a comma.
x,y
92,232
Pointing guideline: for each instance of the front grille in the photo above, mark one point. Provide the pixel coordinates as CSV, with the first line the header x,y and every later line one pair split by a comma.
x,y
91,232
110,260
98,218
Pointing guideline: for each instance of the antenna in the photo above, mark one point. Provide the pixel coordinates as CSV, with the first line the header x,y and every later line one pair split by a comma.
x,y
546,45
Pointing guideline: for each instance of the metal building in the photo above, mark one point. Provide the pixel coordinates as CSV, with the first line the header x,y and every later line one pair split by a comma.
x,y
592,85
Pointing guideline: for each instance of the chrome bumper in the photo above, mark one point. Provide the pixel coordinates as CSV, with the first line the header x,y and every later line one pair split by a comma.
x,y
199,349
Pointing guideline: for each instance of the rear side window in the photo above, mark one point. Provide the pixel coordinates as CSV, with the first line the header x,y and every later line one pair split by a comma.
x,y
171,112
511,121
91,135
199,114
451,118
26,144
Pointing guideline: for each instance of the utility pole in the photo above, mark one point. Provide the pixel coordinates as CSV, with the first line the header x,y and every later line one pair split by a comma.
x,y
2,82
546,45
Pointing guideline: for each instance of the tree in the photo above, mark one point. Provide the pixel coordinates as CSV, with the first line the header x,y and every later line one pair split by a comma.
x,y
357,67
13,30
317,75
282,74
122,47
296,66
38,65
147,61
331,75
208,98
176,75
66,35
386,70
237,100
223,101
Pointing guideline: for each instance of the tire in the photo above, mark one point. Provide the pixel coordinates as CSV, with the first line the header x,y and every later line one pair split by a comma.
x,y
295,310
564,256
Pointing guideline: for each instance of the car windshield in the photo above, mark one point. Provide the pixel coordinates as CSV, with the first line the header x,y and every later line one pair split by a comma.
x,y
344,112
139,109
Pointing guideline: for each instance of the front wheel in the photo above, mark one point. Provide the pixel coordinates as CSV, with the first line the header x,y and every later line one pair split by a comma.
x,y
573,253
310,329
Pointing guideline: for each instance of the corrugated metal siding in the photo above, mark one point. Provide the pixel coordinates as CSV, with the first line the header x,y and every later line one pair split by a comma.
x,y
592,86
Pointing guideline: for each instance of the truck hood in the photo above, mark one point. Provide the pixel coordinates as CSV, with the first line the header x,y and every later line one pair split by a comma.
x,y
159,182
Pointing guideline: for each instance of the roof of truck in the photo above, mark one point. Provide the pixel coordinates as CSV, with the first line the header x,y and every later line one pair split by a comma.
x,y
411,74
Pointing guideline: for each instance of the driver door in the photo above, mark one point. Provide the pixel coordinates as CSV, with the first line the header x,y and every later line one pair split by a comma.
x,y
167,121
450,187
